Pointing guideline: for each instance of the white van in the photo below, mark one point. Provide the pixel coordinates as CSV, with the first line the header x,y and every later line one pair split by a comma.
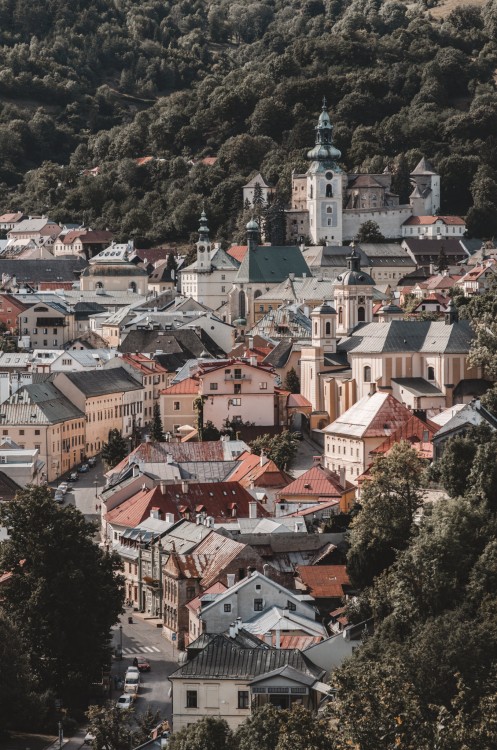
x,y
132,683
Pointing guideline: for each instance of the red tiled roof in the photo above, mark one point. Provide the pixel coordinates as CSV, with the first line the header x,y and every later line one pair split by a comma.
x,y
237,252
324,581
299,642
316,482
211,450
259,352
413,431
296,399
323,504
249,469
209,160
217,588
215,498
186,386
429,220
143,160
144,364
11,218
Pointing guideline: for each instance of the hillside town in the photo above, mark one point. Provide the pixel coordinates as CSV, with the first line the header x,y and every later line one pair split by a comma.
x,y
219,416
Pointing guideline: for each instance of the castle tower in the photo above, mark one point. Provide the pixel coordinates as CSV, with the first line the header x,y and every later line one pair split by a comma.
x,y
324,185
203,245
353,296
425,199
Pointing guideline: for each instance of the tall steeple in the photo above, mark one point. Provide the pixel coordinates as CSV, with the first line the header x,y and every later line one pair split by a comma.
x,y
324,153
203,244
252,234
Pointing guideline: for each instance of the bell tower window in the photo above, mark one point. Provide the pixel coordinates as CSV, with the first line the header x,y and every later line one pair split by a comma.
x,y
329,190
361,314
327,328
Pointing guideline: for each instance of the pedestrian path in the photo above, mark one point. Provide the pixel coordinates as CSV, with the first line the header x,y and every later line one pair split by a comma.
x,y
141,650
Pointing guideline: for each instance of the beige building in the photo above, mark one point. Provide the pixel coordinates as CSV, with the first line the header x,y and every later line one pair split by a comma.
x,y
110,399
40,417
112,271
46,325
149,373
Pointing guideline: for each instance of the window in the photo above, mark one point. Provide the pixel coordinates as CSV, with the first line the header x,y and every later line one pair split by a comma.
x,y
191,699
227,607
327,328
35,330
190,592
176,406
431,373
213,386
45,331
340,315
263,386
37,432
54,331
329,190
291,606
223,277
367,374
329,210
258,605
236,401
223,289
66,362
21,432
243,699
361,314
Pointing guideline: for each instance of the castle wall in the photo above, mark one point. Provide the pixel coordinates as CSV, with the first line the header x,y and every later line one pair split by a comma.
x,y
389,220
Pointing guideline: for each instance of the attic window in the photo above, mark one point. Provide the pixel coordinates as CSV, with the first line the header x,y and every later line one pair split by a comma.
x,y
233,492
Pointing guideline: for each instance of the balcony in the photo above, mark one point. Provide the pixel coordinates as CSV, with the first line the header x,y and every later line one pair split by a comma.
x,y
237,377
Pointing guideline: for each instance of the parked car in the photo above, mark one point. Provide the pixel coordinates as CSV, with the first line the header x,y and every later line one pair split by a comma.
x,y
89,738
125,701
74,476
83,468
132,683
59,497
143,664
92,462
132,672
62,487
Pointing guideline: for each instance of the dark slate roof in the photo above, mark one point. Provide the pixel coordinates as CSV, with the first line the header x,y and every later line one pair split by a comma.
x,y
428,251
161,302
278,357
271,264
83,309
476,387
243,658
8,488
185,342
409,335
35,270
99,382
54,405
418,386
207,471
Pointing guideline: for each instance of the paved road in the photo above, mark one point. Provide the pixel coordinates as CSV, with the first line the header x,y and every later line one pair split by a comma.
x,y
303,460
86,490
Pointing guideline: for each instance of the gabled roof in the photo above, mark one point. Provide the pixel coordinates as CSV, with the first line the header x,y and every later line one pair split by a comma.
x,y
324,581
416,432
271,264
183,342
410,336
234,658
372,416
100,382
430,220
263,474
365,181
237,252
36,270
39,403
424,167
257,179
188,386
317,481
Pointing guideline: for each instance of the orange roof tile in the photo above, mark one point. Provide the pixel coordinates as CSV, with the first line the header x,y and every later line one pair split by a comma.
x,y
429,220
324,581
317,482
186,386
217,588
237,252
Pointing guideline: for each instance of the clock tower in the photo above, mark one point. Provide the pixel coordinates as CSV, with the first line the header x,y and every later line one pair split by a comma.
x,y
325,186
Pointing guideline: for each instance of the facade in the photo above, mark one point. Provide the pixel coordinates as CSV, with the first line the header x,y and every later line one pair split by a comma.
x,y
109,399
434,227
149,373
83,242
112,271
10,309
46,325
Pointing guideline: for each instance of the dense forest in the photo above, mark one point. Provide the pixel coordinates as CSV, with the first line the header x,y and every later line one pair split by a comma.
x,y
100,83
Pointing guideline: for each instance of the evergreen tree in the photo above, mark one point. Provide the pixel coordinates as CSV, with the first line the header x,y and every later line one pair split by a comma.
x,y
210,431
369,231
171,263
401,179
64,594
292,381
442,262
156,429
115,449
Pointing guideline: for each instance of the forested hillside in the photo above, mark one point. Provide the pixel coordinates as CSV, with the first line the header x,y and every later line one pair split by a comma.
x,y
101,83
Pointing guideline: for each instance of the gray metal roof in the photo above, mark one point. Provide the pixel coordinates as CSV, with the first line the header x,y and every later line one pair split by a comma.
x,y
410,335
96,383
39,403
418,386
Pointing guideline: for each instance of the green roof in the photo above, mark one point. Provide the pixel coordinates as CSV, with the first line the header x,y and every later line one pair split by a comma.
x,y
271,264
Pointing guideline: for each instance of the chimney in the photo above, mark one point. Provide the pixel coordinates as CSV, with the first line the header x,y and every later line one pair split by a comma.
x,y
169,458
261,460
253,361
316,460
232,630
230,579
238,624
184,487
250,342
291,276
155,513
163,488
253,510
265,569
169,518
342,476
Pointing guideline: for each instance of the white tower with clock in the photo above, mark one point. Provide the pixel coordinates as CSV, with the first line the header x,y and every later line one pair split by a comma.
x,y
325,186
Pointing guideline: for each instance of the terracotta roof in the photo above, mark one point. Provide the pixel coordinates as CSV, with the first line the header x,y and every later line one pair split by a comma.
x,y
372,416
184,387
144,364
237,252
11,218
217,588
324,581
296,399
316,482
430,220
259,352
249,469
216,498
211,450
143,160
439,282
209,160
299,642
414,431
323,504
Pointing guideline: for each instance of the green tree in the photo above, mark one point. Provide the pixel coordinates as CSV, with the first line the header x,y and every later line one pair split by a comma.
x,y
369,231
64,595
210,733
156,429
281,448
115,449
292,381
171,263
210,431
482,312
111,727
401,178
271,728
384,524
442,261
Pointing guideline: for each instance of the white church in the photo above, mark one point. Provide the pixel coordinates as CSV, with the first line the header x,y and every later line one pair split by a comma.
x,y
329,206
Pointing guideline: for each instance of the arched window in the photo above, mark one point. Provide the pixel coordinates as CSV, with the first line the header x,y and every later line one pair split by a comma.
x,y
328,328
431,373
329,190
241,303
367,374
361,314
132,286
340,315
329,210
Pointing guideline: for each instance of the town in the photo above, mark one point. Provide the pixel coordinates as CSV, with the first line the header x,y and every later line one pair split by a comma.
x,y
225,420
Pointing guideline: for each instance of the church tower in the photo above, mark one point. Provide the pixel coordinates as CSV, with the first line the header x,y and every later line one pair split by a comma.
x,y
324,185
313,358
353,296
203,245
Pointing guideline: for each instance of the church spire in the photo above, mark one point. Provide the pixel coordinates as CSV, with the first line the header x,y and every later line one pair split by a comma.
x,y
203,230
324,152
